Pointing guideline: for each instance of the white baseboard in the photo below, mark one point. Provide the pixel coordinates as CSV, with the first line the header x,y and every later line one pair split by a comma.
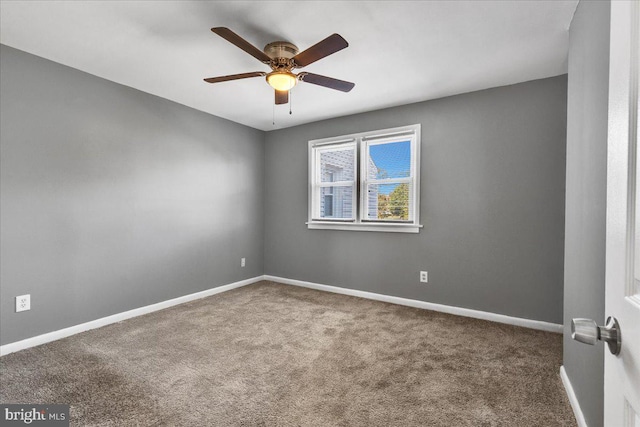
x,y
72,330
466,312
575,405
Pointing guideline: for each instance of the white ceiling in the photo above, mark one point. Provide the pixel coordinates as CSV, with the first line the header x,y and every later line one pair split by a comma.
x,y
399,52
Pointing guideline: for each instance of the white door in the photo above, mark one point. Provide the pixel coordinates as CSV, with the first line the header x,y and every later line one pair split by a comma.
x,y
622,372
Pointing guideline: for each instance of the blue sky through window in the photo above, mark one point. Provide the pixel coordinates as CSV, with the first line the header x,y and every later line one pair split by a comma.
x,y
393,161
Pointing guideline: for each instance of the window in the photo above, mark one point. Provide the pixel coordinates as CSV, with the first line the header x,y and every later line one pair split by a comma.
x,y
367,181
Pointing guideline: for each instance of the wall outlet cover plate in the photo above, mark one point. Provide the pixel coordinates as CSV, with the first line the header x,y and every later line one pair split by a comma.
x,y
23,303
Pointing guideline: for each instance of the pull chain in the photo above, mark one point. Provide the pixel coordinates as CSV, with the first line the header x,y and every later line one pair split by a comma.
x,y
273,107
290,100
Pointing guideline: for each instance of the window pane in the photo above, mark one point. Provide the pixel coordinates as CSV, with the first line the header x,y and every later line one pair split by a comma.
x,y
390,202
337,165
336,202
392,160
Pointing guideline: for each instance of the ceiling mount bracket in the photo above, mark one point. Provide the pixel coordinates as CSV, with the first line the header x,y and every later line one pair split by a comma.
x,y
281,49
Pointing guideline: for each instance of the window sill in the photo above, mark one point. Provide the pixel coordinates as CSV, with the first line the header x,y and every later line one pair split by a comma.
x,y
386,228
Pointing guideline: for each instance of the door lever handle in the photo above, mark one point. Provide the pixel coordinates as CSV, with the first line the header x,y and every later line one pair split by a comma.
x,y
587,331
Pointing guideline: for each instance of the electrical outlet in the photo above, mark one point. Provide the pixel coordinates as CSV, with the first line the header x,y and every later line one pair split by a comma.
x,y
23,303
424,276
243,262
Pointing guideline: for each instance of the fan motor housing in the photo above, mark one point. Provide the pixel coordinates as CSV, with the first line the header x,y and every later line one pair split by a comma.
x,y
281,49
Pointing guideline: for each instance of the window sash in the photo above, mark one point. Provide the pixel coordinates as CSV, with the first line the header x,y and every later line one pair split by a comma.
x,y
411,179
335,184
373,181
317,184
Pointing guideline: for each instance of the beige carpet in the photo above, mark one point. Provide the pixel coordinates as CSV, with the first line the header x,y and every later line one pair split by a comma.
x,y
277,355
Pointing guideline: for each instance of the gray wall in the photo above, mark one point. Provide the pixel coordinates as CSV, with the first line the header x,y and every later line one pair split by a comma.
x,y
112,199
492,203
586,198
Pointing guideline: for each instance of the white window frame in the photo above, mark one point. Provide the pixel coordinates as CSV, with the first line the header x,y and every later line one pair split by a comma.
x,y
316,178
361,143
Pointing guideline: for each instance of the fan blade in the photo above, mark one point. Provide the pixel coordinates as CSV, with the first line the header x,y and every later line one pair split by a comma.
x,y
232,37
325,81
326,47
234,77
282,97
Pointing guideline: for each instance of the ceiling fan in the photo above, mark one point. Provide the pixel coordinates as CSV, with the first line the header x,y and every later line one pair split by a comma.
x,y
283,57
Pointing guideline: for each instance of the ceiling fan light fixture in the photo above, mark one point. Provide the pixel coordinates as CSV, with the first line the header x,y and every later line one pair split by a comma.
x,y
281,80
283,57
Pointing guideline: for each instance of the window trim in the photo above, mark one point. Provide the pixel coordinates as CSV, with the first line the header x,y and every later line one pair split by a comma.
x,y
361,141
